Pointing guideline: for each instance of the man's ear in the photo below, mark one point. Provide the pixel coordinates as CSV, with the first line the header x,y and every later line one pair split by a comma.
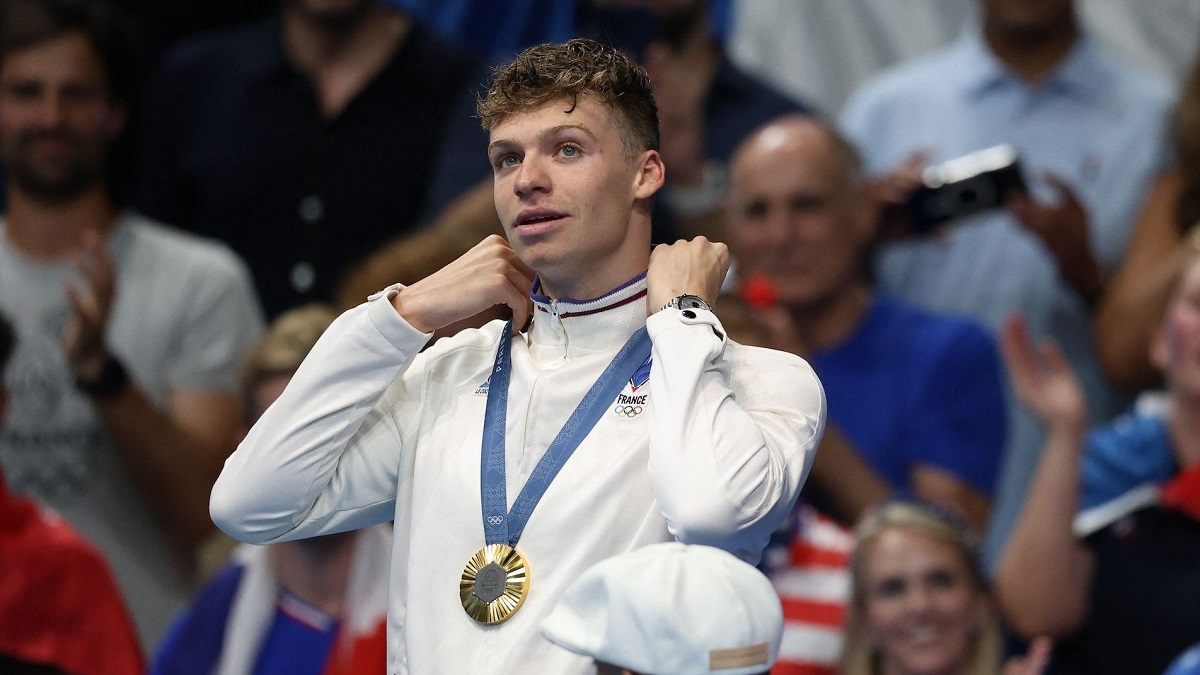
x,y
651,175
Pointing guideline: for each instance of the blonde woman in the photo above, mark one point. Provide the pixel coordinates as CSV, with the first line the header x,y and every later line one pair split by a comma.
x,y
920,601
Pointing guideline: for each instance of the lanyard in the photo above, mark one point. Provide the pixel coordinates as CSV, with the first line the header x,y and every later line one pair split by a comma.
x,y
499,525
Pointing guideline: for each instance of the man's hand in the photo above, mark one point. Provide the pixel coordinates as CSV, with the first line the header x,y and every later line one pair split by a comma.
x,y
1063,229
83,339
891,193
695,267
489,274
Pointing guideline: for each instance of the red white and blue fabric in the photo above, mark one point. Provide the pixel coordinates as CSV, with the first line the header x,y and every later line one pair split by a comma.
x,y
235,617
815,590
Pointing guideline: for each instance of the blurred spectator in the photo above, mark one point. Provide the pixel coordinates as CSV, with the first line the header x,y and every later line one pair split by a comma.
x,y
670,609
819,51
60,611
130,333
1164,241
1089,133
1105,552
919,396
921,602
314,606
303,141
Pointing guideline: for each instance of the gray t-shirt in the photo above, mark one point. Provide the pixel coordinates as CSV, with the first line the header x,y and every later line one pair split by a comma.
x,y
184,316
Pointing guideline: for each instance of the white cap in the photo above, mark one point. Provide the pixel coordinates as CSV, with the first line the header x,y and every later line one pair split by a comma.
x,y
671,609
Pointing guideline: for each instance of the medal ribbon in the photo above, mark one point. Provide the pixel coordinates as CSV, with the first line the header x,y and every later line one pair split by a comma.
x,y
499,525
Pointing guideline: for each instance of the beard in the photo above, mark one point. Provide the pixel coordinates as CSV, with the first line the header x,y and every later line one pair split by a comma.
x,y
52,182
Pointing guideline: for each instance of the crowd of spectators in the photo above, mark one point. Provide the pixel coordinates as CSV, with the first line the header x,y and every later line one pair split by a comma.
x,y
1009,394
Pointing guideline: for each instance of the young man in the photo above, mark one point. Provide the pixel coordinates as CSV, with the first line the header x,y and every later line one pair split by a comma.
x,y
684,435
130,333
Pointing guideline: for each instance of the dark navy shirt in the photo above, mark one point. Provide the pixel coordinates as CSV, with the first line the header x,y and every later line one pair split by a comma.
x,y
236,147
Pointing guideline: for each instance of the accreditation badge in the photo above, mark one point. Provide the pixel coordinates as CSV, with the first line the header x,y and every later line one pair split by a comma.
x,y
494,584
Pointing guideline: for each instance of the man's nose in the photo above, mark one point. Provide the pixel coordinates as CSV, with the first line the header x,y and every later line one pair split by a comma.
x,y
52,109
531,177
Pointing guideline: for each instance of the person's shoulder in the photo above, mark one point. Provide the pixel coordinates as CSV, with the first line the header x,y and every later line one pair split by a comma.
x,y
1134,82
467,345
222,49
184,252
916,77
751,365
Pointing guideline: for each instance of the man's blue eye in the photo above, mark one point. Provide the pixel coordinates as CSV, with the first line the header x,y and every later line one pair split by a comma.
x,y
508,161
570,150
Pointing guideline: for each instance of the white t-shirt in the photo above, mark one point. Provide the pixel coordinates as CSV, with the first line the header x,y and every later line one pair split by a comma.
x,y
184,315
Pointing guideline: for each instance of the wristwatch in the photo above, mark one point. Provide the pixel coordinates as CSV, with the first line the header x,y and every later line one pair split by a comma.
x,y
687,301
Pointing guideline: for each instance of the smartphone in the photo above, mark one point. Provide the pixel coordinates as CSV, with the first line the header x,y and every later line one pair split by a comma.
x,y
976,182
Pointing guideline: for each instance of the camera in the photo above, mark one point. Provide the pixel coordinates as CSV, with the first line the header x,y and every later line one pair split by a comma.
x,y
964,186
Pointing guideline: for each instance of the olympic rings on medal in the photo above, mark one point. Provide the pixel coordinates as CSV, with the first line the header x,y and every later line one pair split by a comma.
x,y
628,410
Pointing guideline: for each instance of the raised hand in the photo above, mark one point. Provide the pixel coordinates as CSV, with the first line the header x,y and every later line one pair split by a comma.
x,y
91,303
695,267
1042,379
489,274
1033,662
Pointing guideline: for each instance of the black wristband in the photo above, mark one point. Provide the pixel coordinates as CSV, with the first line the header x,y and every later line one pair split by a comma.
x,y
112,380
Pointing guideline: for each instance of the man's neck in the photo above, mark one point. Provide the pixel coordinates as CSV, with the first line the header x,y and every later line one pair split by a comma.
x,y
52,231
825,324
1031,55
342,60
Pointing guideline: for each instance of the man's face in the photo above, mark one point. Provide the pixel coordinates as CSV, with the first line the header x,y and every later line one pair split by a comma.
x,y
1028,17
56,118
565,190
792,216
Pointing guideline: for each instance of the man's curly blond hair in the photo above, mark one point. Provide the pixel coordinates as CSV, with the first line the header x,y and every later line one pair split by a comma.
x,y
569,70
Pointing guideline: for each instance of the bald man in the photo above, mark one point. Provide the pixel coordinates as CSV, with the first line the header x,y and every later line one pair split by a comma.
x,y
918,396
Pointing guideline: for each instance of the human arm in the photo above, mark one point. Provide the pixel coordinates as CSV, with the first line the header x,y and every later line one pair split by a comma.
x,y
1131,306
844,478
1045,571
326,457
731,440
173,451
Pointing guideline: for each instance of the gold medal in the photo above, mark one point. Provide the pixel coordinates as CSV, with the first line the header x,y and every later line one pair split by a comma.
x,y
494,584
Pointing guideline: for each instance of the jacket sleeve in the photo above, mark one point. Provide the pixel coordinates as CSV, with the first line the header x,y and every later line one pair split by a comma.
x,y
734,431
325,457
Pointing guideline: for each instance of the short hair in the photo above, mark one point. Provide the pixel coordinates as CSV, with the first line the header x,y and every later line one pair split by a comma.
x,y
7,340
569,70
282,349
28,23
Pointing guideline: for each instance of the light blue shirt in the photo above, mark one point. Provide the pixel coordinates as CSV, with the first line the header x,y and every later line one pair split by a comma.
x,y
1096,123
